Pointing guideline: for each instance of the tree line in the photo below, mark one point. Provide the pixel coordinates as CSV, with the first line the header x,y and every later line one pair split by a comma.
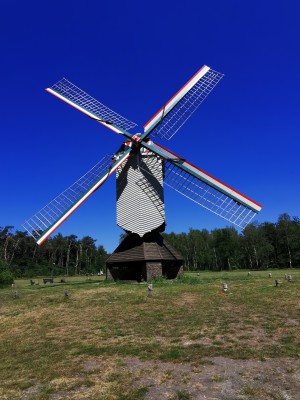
x,y
265,245
60,255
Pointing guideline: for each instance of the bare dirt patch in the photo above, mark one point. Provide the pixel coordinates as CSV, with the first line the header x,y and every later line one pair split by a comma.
x,y
187,299
219,378
292,322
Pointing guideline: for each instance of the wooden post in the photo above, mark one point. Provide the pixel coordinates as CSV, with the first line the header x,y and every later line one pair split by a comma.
x,y
150,288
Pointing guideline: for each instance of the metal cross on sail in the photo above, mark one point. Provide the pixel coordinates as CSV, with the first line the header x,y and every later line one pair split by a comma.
x,y
143,167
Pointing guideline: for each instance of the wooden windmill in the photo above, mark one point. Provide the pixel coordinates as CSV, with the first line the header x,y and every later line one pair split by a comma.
x,y
142,168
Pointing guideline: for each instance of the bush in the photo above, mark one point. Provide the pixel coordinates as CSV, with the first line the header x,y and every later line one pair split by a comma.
x,y
159,279
6,278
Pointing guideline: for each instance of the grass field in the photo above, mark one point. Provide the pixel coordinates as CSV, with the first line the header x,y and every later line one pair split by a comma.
x,y
189,341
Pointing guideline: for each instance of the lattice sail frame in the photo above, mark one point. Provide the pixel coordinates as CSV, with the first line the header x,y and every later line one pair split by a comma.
x,y
73,95
174,114
49,218
205,190
207,196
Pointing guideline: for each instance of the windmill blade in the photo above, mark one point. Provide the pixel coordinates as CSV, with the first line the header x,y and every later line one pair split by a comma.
x,y
49,218
170,118
205,190
73,95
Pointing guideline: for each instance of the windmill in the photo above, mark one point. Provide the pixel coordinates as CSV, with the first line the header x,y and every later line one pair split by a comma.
x,y
142,168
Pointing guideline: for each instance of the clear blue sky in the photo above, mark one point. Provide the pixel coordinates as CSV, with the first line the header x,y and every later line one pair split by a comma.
x,y
133,56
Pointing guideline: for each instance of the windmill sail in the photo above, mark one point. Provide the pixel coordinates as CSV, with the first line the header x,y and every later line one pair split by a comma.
x,y
170,118
49,218
205,190
76,97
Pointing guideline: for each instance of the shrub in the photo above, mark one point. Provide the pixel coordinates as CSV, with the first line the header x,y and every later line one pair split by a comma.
x,y
6,278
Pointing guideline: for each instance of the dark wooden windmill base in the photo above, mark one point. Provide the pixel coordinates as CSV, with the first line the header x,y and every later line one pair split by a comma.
x,y
142,259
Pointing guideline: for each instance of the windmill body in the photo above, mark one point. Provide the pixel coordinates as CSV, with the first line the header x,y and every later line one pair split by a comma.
x,y
143,254
142,169
140,196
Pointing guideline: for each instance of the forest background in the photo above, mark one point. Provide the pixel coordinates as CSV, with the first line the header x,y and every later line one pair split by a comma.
x,y
259,246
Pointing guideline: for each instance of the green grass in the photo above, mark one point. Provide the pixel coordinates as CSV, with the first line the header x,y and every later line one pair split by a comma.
x,y
183,395
45,337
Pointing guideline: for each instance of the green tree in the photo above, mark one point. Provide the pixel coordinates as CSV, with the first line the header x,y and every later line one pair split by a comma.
x,y
288,239
226,248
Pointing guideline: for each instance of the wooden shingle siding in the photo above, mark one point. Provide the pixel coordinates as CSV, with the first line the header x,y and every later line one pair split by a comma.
x,y
140,198
152,247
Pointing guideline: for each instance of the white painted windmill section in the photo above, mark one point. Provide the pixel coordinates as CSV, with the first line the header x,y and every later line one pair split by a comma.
x,y
71,103
81,200
229,191
175,99
140,199
211,180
